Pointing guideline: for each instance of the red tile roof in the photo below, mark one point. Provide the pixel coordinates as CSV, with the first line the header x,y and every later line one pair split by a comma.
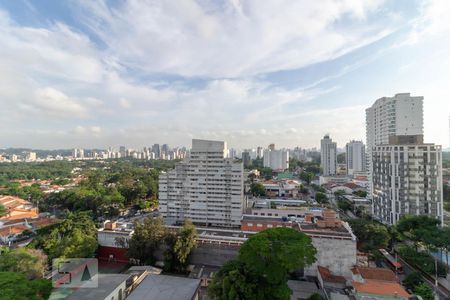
x,y
15,229
378,287
376,274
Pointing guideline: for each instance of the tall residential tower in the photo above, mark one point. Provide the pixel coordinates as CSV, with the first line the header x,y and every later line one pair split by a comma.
x,y
328,152
206,187
389,116
355,157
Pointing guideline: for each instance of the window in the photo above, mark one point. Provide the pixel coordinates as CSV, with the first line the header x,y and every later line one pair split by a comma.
x,y
259,225
269,225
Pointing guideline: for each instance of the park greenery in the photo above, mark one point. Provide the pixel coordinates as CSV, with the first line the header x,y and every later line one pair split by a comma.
x,y
150,236
16,286
262,268
75,236
31,262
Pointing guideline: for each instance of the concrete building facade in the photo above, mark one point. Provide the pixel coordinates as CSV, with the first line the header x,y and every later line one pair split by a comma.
x,y
206,187
355,157
407,180
328,153
277,160
389,116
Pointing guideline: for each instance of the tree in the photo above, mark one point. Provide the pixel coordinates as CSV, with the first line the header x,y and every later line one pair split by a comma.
x,y
416,228
344,205
371,235
234,281
424,291
321,198
360,193
30,262
264,261
315,296
15,286
257,189
180,245
307,177
148,235
3,210
75,236
412,280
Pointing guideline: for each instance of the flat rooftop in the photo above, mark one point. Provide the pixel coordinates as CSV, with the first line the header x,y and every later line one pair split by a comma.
x,y
107,283
164,287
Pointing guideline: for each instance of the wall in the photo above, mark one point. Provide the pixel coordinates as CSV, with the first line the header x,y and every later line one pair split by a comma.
x,y
339,256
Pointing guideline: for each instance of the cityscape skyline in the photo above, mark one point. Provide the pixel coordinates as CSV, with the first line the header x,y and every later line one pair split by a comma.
x,y
69,82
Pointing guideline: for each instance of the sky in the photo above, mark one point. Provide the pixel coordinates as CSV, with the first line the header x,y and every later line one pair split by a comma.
x,y
95,74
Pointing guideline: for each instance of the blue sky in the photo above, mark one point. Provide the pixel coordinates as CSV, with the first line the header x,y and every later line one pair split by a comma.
x,y
107,73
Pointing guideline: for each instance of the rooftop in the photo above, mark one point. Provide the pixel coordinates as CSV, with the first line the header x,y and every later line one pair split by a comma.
x,y
164,287
378,287
375,273
107,283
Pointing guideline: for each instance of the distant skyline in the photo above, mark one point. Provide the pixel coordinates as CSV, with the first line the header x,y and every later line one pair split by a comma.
x,y
94,74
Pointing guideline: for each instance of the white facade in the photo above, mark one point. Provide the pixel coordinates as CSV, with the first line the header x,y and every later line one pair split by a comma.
x,y
276,159
355,157
388,116
328,152
407,179
206,187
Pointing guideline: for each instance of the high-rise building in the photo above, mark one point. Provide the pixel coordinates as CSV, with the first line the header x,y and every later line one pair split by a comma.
x,y
246,159
277,160
388,116
259,152
272,147
157,150
328,153
206,187
355,157
407,179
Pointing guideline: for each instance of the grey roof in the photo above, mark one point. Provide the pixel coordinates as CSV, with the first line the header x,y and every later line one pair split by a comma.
x,y
165,287
107,283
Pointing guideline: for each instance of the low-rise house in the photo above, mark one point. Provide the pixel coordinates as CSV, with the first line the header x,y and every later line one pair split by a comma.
x,y
376,283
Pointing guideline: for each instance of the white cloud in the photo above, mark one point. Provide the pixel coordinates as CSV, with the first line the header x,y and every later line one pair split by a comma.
x,y
124,103
230,38
54,102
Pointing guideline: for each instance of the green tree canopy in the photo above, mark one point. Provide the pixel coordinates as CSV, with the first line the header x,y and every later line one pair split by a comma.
x,y
30,262
16,286
257,189
179,246
307,176
75,236
371,235
264,261
321,198
425,291
413,280
148,235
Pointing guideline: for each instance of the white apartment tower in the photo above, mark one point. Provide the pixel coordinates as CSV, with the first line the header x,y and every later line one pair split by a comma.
x,y
388,116
355,157
205,187
277,160
328,152
407,179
